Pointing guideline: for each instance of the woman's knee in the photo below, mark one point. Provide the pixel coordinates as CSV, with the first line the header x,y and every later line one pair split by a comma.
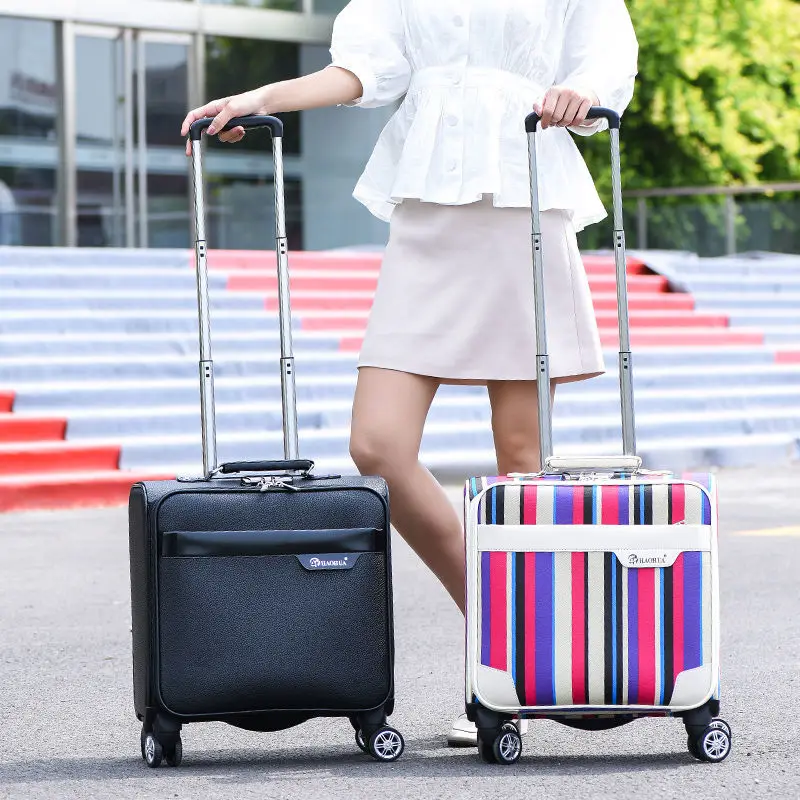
x,y
518,451
379,452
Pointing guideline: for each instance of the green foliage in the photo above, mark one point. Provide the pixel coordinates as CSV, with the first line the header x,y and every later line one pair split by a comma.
x,y
718,95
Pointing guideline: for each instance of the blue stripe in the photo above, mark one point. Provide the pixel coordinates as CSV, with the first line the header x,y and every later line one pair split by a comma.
x,y
614,629
641,504
492,493
594,505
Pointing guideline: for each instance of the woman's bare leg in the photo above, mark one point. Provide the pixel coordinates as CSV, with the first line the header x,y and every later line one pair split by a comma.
x,y
515,425
389,414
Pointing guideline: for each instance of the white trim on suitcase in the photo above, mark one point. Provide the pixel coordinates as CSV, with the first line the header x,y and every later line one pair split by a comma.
x,y
591,538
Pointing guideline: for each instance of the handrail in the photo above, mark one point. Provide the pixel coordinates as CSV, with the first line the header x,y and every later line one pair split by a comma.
x,y
692,191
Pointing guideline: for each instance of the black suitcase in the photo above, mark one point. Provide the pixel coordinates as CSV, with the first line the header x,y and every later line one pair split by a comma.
x,y
260,593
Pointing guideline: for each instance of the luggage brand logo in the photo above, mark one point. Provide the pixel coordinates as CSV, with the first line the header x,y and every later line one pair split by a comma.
x,y
319,563
328,561
635,560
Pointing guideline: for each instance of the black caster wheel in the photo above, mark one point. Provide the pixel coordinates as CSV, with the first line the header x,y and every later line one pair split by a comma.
x,y
362,745
507,746
153,751
174,756
722,725
714,744
386,744
142,737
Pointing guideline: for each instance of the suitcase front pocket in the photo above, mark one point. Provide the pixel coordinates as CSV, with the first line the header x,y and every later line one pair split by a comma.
x,y
270,542
261,633
581,629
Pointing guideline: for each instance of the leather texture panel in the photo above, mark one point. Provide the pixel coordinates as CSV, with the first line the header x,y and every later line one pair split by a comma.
x,y
261,633
261,543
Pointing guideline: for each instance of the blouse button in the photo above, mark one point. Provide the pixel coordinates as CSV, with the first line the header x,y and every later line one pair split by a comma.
x,y
458,22
452,120
452,166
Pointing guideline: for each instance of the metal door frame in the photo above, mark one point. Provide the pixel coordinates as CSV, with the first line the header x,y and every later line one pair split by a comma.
x,y
132,84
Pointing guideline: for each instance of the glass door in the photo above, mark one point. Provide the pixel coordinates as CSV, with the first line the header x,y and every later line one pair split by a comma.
x,y
104,154
131,94
162,100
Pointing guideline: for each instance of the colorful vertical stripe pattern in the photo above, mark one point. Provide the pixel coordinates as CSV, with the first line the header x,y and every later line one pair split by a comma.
x,y
581,629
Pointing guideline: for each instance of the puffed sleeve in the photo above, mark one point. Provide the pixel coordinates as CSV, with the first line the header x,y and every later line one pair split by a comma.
x,y
600,54
369,41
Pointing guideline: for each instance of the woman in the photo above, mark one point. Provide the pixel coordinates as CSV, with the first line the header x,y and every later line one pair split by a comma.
x,y
454,302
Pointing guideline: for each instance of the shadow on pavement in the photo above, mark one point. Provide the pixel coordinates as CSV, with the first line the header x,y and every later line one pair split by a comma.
x,y
422,759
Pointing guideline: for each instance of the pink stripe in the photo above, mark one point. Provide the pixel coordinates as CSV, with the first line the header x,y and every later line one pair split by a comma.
x,y
530,629
647,637
677,616
576,497
498,653
578,629
529,494
678,503
609,505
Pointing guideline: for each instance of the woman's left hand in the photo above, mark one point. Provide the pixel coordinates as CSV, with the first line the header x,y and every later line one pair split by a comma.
x,y
564,107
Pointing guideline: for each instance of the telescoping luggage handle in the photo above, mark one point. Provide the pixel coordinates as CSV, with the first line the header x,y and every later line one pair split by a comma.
x,y
629,461
288,391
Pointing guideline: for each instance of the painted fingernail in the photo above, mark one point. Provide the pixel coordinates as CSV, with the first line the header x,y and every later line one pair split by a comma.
x,y
211,130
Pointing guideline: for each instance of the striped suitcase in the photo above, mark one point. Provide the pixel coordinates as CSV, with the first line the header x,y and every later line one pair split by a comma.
x,y
592,587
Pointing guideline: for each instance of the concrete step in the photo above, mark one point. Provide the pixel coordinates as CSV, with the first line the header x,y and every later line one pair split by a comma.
x,y
258,361
17,299
733,284
124,345
268,280
97,279
677,454
265,416
170,449
735,303
105,257
62,396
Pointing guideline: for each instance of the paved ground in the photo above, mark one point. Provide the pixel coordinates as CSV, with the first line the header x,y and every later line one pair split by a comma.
x,y
68,728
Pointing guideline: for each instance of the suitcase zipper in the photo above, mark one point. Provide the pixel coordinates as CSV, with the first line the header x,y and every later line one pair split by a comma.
x,y
266,483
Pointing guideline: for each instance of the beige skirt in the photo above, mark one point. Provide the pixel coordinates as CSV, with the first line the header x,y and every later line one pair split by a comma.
x,y
455,296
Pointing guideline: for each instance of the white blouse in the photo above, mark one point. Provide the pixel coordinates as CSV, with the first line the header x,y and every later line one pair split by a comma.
x,y
471,71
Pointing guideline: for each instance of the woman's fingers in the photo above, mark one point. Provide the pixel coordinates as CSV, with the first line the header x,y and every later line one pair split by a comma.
x,y
234,135
564,107
208,110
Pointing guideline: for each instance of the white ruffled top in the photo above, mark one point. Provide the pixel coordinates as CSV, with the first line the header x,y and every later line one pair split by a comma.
x,y
470,72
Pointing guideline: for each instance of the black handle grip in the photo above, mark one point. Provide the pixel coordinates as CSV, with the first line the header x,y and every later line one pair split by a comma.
x,y
595,112
248,123
300,465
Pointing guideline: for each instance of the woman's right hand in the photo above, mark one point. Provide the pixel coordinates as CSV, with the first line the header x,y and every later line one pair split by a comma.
x,y
224,110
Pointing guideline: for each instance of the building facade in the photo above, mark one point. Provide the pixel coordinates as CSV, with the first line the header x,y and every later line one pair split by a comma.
x,y
92,94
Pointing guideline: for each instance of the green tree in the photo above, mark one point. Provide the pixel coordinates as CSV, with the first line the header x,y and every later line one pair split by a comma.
x,y
717,99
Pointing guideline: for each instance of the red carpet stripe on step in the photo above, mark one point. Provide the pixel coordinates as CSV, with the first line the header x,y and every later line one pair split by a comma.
x,y
58,457
64,491
787,357
6,401
27,429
